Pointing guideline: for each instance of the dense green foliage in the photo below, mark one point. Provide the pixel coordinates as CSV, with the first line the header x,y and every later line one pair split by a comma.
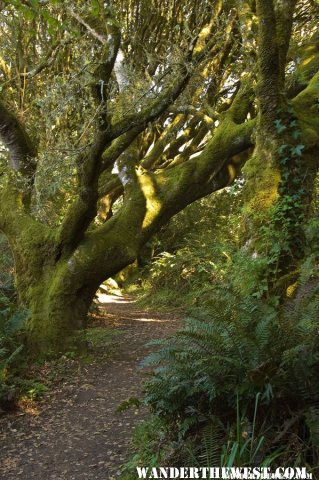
x,y
238,384
12,319
115,117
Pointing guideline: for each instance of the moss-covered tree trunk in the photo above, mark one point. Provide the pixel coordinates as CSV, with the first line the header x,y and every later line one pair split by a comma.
x,y
57,293
282,170
57,300
57,314
56,289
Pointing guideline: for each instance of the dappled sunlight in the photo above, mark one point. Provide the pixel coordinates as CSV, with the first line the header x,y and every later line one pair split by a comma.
x,y
159,238
153,203
122,309
28,406
150,320
106,298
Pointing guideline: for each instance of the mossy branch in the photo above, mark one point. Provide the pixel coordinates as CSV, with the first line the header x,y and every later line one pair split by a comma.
x,y
152,199
83,210
274,31
15,138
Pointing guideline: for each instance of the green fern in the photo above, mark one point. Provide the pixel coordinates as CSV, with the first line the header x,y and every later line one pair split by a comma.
x,y
312,421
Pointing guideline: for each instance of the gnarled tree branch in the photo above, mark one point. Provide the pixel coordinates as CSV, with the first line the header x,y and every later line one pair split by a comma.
x,y
17,141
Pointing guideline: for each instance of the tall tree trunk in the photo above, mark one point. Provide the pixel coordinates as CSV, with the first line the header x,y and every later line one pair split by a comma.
x,y
58,294
58,309
275,223
57,300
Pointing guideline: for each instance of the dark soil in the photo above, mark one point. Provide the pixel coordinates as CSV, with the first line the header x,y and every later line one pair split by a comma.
x,y
76,432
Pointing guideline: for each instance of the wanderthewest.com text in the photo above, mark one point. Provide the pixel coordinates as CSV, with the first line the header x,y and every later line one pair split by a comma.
x,y
243,473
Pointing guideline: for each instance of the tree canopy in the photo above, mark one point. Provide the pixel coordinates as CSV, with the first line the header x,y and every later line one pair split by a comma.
x,y
115,116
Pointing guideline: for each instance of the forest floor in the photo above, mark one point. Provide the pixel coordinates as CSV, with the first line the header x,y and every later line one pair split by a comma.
x,y
76,432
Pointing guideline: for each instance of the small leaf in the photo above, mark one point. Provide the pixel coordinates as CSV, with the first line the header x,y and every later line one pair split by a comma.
x,y
282,148
296,134
279,126
95,8
294,123
27,12
284,160
297,150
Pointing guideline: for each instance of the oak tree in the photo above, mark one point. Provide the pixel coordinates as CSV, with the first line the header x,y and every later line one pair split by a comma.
x,y
114,116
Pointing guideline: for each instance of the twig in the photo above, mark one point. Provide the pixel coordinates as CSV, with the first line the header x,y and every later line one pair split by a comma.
x,y
91,30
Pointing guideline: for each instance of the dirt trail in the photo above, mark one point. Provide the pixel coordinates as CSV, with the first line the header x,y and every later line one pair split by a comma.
x,y
78,434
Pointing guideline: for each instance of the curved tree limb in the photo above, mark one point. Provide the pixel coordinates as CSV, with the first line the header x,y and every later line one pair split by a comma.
x,y
84,209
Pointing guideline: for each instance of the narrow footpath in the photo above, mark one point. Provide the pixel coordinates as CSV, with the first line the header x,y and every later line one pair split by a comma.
x,y
77,433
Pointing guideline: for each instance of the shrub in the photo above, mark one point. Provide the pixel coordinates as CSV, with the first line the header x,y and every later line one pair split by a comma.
x,y
12,319
244,341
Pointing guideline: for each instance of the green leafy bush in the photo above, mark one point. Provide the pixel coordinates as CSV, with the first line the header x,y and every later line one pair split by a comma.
x,y
246,348
244,339
12,319
147,437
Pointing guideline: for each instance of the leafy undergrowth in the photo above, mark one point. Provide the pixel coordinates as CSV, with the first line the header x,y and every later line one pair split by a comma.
x,y
239,384
12,320
237,388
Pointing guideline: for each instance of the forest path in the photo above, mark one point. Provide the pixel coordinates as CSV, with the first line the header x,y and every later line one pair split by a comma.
x,y
77,432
